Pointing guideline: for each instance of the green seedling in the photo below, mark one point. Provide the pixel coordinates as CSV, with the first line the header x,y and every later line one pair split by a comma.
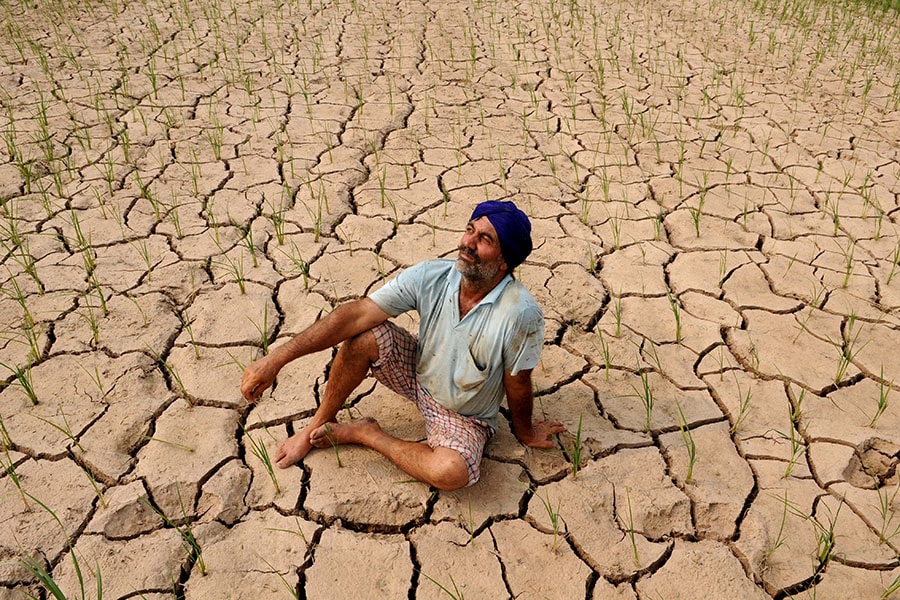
x,y
250,245
65,428
188,540
798,446
884,389
334,445
744,405
187,322
172,373
848,348
263,330
39,572
629,528
290,588
575,453
645,394
779,537
675,307
168,443
617,314
259,450
456,594
553,515
9,467
888,529
22,378
688,438
604,352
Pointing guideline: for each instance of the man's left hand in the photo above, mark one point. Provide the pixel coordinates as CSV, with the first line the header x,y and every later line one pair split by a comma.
x,y
541,434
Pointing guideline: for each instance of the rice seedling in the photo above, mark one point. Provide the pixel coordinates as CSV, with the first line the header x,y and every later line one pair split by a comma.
x,y
553,515
37,569
334,444
168,443
575,452
645,395
884,389
65,428
300,265
688,438
617,314
249,244
797,444
629,528
172,376
675,307
779,537
848,348
235,268
259,450
188,540
9,466
22,378
455,594
290,588
743,406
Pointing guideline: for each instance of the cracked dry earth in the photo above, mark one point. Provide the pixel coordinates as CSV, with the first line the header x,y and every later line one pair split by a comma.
x,y
714,192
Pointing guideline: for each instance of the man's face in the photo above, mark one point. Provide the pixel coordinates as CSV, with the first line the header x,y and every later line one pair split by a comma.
x,y
480,258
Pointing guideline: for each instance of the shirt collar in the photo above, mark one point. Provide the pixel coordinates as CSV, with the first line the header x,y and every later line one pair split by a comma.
x,y
492,296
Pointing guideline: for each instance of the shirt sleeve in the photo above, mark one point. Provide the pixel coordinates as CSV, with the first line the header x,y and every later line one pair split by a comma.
x,y
401,293
523,352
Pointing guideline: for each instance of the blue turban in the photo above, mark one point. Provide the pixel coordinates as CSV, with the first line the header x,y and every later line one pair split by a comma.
x,y
512,226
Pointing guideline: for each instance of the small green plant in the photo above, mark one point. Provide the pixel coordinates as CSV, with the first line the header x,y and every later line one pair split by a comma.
x,y
629,528
743,405
848,348
675,307
38,570
187,323
645,394
22,377
688,438
884,389
779,537
888,529
604,352
188,540
575,453
259,450
553,515
263,330
65,428
455,594
334,444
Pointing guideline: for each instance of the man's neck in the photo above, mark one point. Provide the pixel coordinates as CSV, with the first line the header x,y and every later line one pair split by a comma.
x,y
472,292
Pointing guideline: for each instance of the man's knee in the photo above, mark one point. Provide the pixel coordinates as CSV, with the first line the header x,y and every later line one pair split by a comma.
x,y
362,345
451,471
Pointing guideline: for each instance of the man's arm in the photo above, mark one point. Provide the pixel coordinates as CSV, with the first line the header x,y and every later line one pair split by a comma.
x,y
520,397
344,322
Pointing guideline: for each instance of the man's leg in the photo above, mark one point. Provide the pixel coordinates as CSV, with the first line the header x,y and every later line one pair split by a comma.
x,y
351,365
443,468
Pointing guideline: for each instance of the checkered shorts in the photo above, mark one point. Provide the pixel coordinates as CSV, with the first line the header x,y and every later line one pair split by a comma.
x,y
396,368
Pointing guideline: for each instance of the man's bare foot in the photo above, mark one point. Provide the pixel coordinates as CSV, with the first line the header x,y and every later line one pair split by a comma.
x,y
332,434
294,449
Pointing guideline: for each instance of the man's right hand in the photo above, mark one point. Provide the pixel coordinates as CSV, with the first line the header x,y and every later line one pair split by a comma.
x,y
258,377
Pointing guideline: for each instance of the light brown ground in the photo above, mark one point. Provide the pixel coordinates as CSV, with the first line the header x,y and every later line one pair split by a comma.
x,y
714,193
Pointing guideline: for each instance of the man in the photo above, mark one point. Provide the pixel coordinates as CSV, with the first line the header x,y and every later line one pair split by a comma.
x,y
480,336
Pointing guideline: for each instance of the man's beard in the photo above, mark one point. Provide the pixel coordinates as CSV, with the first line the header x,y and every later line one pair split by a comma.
x,y
476,271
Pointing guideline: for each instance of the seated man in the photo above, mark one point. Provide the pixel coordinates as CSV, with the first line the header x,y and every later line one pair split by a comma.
x,y
480,336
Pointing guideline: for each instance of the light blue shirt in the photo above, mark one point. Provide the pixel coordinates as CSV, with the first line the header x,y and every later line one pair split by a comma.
x,y
460,362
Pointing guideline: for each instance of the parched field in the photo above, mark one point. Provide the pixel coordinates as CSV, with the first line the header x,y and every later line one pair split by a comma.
x,y
715,192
